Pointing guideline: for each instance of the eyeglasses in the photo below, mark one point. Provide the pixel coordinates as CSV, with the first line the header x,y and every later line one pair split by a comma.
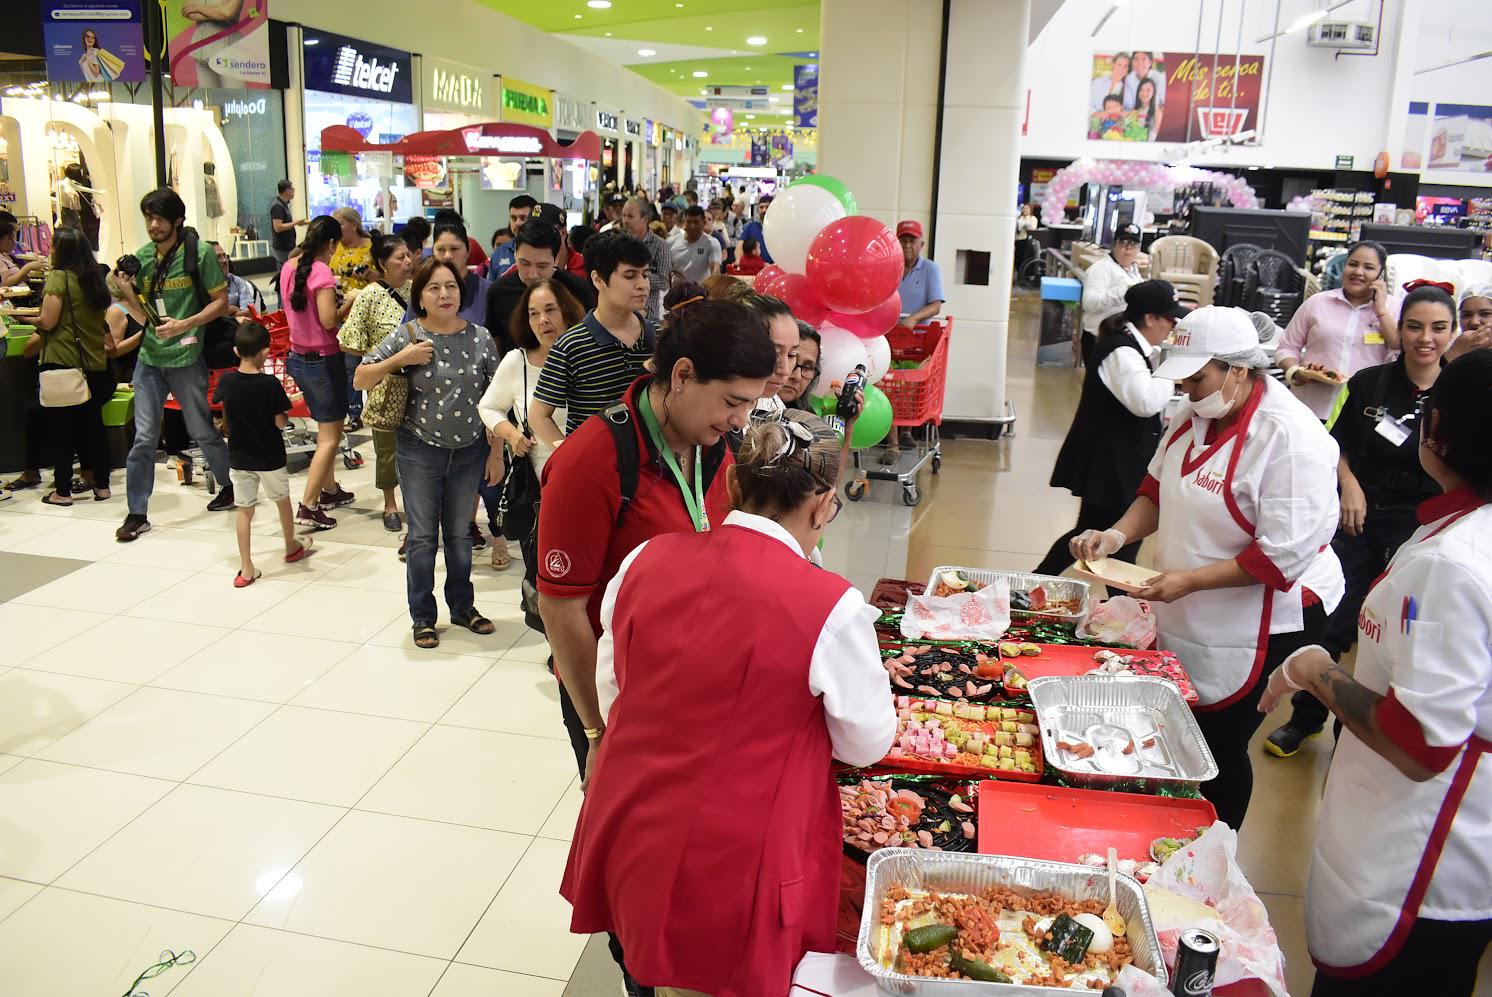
x,y
834,507
808,367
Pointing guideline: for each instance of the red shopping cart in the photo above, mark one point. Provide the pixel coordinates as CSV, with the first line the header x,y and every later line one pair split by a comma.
x,y
916,396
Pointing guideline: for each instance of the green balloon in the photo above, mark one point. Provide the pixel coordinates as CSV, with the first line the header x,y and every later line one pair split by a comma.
x,y
874,423
834,186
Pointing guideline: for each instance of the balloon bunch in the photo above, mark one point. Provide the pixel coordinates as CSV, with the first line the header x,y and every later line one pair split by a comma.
x,y
1137,174
839,271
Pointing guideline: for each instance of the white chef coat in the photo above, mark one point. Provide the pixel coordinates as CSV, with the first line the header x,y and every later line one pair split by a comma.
x,y
1264,492
1389,849
1130,378
1104,285
845,670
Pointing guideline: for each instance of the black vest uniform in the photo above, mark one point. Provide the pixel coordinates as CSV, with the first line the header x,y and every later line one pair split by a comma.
x,y
1108,447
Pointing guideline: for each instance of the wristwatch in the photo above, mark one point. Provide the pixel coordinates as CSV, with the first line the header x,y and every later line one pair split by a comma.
x,y
594,733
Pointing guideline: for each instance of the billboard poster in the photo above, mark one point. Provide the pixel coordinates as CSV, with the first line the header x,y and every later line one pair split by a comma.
x,y
1461,138
223,44
1149,96
806,96
1416,132
94,41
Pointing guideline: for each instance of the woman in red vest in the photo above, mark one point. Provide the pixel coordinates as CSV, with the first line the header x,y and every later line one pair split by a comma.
x,y
730,671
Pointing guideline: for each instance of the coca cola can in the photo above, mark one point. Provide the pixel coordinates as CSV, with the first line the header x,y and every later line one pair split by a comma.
x,y
1196,963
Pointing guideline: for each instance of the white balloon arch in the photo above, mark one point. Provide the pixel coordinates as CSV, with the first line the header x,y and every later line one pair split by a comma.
x,y
1137,173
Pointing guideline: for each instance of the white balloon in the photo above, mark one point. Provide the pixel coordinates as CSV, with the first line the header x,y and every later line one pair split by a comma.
x,y
842,351
879,351
795,217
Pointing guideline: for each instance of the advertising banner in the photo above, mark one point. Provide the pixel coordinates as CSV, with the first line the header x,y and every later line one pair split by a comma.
x,y
218,44
338,64
1145,96
1461,138
526,104
450,86
94,41
806,96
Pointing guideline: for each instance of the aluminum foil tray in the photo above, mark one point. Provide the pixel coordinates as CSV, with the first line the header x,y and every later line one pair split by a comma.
x,y
1148,708
950,872
1021,581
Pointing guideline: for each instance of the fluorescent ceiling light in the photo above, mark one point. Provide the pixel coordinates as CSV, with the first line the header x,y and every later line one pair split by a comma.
x,y
645,52
787,86
312,41
756,40
700,74
598,4
800,31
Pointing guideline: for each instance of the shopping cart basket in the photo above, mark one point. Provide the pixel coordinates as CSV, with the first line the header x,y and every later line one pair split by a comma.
x,y
916,397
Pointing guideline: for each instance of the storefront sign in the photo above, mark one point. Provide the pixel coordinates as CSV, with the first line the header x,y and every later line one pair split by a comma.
x,y
526,103
1146,96
570,113
634,128
653,131
606,121
337,64
806,96
94,41
502,145
245,108
452,87
235,52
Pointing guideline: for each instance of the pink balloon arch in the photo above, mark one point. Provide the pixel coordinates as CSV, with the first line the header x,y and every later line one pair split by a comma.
x,y
1137,173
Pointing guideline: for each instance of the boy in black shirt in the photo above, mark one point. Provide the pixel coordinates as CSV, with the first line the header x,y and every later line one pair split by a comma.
x,y
255,408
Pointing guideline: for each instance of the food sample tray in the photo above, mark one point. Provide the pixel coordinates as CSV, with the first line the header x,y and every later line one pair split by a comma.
x,y
1060,824
1167,744
1076,662
936,807
945,713
1021,581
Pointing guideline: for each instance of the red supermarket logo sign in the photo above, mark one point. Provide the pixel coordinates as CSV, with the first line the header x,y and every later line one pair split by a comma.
x,y
1221,122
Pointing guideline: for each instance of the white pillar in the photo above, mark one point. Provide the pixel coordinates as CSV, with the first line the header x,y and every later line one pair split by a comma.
x,y
878,108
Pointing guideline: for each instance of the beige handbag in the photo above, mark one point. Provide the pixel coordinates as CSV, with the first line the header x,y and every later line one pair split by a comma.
x,y
66,386
388,400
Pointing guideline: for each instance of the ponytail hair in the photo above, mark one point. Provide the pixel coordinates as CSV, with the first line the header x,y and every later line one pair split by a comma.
x,y
784,462
323,230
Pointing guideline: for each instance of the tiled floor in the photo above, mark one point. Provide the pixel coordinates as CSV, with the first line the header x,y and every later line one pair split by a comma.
x,y
277,780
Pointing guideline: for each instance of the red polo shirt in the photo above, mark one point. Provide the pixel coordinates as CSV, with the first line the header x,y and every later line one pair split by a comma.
x,y
580,544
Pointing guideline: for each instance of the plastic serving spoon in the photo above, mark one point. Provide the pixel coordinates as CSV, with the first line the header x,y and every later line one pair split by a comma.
x,y
1111,917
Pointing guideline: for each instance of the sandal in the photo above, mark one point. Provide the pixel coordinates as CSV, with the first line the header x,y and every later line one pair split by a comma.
x,y
102,495
475,622
502,558
21,483
301,552
425,635
49,497
240,582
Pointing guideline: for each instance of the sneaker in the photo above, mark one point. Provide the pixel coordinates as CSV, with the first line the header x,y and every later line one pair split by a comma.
x,y
478,540
134,525
223,502
316,519
1288,740
403,542
336,499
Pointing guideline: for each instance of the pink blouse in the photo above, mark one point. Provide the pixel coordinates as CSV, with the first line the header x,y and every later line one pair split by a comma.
x,y
1330,330
307,334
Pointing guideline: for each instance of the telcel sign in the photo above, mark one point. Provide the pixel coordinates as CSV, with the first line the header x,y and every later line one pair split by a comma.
x,y
337,64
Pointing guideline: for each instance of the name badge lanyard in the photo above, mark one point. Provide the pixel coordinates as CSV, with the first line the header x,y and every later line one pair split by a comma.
x,y
695,501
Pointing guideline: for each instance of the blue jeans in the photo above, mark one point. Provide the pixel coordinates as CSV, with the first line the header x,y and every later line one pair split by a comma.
x,y
152,384
439,486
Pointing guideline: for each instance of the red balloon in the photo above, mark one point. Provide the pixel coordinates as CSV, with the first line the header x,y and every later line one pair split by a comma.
x,y
876,322
766,276
854,264
799,295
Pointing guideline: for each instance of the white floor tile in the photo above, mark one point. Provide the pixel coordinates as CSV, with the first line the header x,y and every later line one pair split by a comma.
x,y
106,588
10,761
527,928
532,646
560,825
268,552
328,612
517,697
474,981
411,684
486,779
14,893
19,527
30,630
160,733
206,851
254,960
212,598
270,667
56,814
453,640
65,944
81,539
312,755
376,569
126,649
190,550
416,886
36,708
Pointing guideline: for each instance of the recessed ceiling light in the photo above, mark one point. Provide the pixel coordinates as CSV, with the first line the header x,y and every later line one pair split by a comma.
x,y
800,31
748,69
645,52
608,34
814,54
750,117
709,28
700,74
787,86
774,100
598,4
756,40
577,17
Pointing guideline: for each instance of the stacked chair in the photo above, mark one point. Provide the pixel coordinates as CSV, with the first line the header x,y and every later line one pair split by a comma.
x,y
1274,285
1232,272
1189,264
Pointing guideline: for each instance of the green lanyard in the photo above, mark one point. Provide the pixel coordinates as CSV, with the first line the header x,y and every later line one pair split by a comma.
x,y
695,502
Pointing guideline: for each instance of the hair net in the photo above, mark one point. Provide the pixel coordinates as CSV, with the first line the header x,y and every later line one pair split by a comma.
x,y
1254,358
1483,290
1264,325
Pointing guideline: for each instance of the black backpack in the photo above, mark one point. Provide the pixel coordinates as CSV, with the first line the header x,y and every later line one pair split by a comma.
x,y
217,335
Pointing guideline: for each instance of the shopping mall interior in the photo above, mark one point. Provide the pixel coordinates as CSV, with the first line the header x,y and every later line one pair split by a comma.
x,y
1139,391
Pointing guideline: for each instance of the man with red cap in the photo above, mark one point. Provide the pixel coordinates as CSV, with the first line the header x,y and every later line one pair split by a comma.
x,y
921,280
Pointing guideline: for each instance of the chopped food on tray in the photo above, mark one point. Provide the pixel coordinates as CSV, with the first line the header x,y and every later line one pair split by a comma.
x,y
1038,600
954,582
998,738
1129,867
886,813
1015,678
1000,936
945,671
1168,667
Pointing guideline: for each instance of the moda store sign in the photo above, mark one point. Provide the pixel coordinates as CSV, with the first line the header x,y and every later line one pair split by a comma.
x,y
455,88
337,64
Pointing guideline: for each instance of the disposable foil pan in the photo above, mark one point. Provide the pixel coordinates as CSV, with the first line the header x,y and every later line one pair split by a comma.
x,y
1148,707
950,872
1021,581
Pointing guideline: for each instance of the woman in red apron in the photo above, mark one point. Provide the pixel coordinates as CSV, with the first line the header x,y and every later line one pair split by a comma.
x,y
1399,899
1241,496
730,671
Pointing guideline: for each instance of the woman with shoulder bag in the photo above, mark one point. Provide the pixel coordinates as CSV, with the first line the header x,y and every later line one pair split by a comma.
x,y
74,370
542,315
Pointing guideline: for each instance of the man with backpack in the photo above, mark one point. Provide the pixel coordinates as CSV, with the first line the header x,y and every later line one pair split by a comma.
x,y
182,291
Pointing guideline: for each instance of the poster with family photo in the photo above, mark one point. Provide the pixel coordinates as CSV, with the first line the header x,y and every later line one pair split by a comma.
x,y
1143,95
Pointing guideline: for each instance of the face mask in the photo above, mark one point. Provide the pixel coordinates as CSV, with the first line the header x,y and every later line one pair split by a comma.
x,y
1214,406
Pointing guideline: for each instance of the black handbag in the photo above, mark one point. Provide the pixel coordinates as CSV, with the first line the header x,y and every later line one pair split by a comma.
x,y
518,509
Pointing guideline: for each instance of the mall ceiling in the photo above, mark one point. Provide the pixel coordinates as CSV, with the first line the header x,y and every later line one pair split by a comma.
x,y
686,45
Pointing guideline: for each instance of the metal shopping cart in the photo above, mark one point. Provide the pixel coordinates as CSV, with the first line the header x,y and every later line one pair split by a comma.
x,y
299,438
916,403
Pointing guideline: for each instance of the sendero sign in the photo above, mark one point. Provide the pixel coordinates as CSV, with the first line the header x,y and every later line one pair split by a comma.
x,y
525,103
338,64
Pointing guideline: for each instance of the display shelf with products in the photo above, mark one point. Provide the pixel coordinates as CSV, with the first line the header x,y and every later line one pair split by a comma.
x,y
1336,218
1479,214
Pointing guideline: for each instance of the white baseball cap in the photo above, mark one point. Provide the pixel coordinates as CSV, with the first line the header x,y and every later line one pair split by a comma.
x,y
1210,333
